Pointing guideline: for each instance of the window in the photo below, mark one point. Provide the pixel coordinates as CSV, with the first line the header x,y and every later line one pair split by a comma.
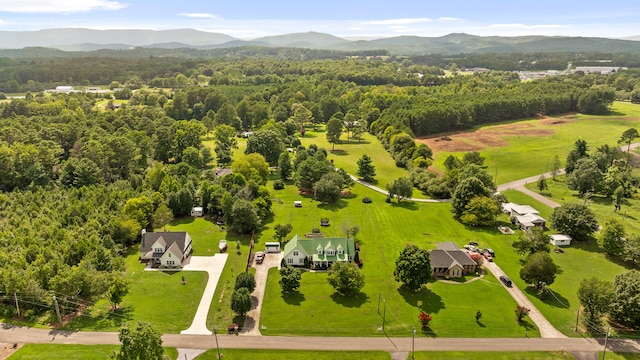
x,y
171,262
331,252
295,252
301,261
340,252
289,261
158,250
319,251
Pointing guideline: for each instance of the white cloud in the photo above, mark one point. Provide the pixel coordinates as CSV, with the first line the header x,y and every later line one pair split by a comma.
x,y
527,27
401,21
58,6
449,19
200,15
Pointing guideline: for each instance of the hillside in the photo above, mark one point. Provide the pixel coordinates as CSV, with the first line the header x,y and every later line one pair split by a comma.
x,y
456,43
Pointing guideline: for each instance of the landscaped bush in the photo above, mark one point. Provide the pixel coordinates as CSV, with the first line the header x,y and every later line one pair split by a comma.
x,y
278,185
315,230
367,200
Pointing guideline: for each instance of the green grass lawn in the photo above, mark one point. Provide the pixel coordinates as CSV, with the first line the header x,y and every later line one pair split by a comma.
x,y
578,261
149,291
501,355
257,354
601,206
346,155
538,152
72,352
384,230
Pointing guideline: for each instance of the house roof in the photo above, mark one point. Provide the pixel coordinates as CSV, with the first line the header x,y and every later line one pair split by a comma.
x,y
310,246
447,258
448,245
175,250
520,209
169,237
530,219
559,237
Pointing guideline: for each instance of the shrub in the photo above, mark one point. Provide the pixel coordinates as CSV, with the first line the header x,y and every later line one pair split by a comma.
x,y
278,185
367,200
315,230
425,319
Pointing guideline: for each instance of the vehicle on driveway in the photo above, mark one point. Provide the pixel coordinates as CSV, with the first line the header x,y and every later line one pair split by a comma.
x,y
475,243
505,280
491,252
488,257
222,245
259,257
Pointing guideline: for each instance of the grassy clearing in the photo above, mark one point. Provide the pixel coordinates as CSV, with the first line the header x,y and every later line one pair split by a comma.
x,y
346,155
501,355
578,261
72,352
601,206
537,152
257,354
620,356
149,291
384,230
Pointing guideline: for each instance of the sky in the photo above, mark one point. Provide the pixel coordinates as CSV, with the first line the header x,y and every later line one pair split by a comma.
x,y
357,19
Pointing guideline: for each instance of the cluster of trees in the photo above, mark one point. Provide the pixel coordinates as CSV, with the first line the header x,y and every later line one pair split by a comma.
x,y
538,268
241,298
619,300
616,242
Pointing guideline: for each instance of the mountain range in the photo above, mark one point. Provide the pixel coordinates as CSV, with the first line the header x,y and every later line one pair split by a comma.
x,y
78,39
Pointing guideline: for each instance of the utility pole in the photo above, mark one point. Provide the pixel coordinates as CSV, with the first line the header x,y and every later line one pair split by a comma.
x,y
413,341
604,352
15,296
55,301
577,317
384,316
215,334
378,309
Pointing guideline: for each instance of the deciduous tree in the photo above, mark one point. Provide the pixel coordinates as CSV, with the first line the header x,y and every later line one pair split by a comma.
x,y
245,280
624,308
612,238
532,241
413,267
289,279
241,301
574,219
139,343
346,278
539,268
596,296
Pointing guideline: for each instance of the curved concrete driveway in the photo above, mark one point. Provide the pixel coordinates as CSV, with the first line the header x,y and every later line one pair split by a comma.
x,y
213,265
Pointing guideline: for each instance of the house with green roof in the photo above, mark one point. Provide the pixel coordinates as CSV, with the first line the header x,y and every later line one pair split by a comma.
x,y
320,252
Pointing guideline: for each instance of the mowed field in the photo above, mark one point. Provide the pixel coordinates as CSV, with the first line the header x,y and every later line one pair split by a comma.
x,y
527,147
384,231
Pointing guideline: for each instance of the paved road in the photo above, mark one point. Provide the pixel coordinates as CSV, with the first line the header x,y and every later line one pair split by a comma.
x,y
13,334
546,329
213,265
252,320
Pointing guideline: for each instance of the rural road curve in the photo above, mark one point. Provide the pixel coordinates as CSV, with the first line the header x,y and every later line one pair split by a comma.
x,y
18,334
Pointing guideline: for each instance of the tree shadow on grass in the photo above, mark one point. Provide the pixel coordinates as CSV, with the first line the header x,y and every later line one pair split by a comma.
x,y
526,325
339,152
428,332
102,321
294,298
425,299
551,298
355,301
481,324
406,204
337,206
182,221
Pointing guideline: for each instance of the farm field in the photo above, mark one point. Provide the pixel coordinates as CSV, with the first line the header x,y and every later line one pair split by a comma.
x,y
72,352
384,230
524,148
576,263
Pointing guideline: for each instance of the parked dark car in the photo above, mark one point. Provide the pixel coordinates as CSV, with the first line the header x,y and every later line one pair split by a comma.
x,y
505,280
491,252
259,257
475,243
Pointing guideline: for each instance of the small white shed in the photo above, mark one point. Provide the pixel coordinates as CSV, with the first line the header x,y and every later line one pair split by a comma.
x,y
297,203
272,247
560,240
197,211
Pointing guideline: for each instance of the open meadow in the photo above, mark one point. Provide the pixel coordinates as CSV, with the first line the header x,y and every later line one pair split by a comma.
x,y
524,148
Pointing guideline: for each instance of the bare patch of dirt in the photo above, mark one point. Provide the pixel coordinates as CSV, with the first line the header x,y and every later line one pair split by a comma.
x,y
488,137
7,350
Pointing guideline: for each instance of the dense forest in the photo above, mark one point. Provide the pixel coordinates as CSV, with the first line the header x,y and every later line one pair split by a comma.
x,y
79,181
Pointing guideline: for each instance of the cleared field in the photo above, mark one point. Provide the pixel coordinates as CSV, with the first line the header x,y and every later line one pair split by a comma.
x,y
527,147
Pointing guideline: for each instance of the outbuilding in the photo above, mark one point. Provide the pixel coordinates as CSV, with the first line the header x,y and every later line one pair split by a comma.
x,y
560,240
272,247
197,211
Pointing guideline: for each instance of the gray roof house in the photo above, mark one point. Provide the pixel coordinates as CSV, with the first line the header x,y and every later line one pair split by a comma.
x,y
450,262
165,249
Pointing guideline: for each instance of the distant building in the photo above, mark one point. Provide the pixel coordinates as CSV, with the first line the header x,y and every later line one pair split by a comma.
x,y
64,89
605,70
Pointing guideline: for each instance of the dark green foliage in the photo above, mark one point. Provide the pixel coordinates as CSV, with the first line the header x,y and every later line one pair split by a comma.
x,y
241,301
613,237
539,268
595,296
310,171
285,168
367,200
366,169
480,210
574,219
245,280
401,188
586,176
328,188
278,185
465,192
289,279
624,308
282,230
139,343
532,241
267,143
413,267
346,278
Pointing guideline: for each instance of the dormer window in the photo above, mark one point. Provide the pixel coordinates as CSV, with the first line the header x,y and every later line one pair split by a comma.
x,y
158,250
331,252
340,252
319,251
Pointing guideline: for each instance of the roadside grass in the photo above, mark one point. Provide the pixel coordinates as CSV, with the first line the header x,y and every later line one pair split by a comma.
x,y
579,261
384,231
500,355
73,352
601,206
149,291
260,354
347,153
537,153
619,355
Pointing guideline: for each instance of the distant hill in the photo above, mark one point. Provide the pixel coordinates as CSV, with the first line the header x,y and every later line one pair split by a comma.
x,y
72,39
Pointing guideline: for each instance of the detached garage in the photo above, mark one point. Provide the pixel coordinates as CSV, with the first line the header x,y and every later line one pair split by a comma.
x,y
560,240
